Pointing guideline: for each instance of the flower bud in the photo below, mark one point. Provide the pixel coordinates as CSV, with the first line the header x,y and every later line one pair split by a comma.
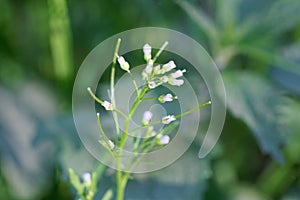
x,y
123,64
147,52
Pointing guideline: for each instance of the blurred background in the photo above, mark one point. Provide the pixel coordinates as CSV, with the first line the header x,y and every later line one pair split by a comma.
x,y
256,45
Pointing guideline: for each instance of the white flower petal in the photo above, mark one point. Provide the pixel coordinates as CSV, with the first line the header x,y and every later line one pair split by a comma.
x,y
164,79
151,84
165,139
107,105
177,82
87,178
168,119
178,73
148,69
168,67
157,70
147,52
123,64
168,97
111,144
147,117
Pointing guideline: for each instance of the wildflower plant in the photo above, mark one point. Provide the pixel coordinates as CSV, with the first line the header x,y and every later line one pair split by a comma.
x,y
154,75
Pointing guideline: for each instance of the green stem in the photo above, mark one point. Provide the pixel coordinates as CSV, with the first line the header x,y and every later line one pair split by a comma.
x,y
134,83
94,96
131,112
127,174
145,126
112,87
120,186
192,110
104,137
160,51
120,112
121,182
150,99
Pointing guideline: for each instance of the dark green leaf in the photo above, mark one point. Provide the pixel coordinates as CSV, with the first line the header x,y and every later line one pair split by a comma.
x,y
204,22
282,16
252,99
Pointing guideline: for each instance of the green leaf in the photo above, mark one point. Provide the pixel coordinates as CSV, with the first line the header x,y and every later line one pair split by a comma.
x,y
108,195
254,100
204,22
282,16
288,73
75,181
227,13
290,115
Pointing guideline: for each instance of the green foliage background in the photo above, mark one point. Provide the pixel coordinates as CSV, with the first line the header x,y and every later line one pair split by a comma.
x,y
256,45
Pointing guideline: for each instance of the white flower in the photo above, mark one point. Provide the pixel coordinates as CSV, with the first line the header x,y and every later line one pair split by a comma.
x,y
111,144
167,97
178,73
177,82
168,67
87,178
124,65
107,105
147,72
165,139
147,117
147,52
157,70
164,79
148,69
168,119
151,84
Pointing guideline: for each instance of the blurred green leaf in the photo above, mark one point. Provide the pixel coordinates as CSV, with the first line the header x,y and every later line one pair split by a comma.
x,y
108,195
60,39
254,100
204,22
288,73
282,16
75,181
227,13
290,115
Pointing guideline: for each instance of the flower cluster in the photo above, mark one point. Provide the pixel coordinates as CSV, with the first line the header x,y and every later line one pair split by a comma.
x,y
154,77
157,75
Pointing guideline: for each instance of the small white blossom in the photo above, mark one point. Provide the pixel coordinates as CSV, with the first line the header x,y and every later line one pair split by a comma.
x,y
147,117
164,79
168,119
178,73
166,98
151,84
147,72
157,70
176,82
87,178
165,139
148,69
123,64
107,105
111,144
147,52
168,67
